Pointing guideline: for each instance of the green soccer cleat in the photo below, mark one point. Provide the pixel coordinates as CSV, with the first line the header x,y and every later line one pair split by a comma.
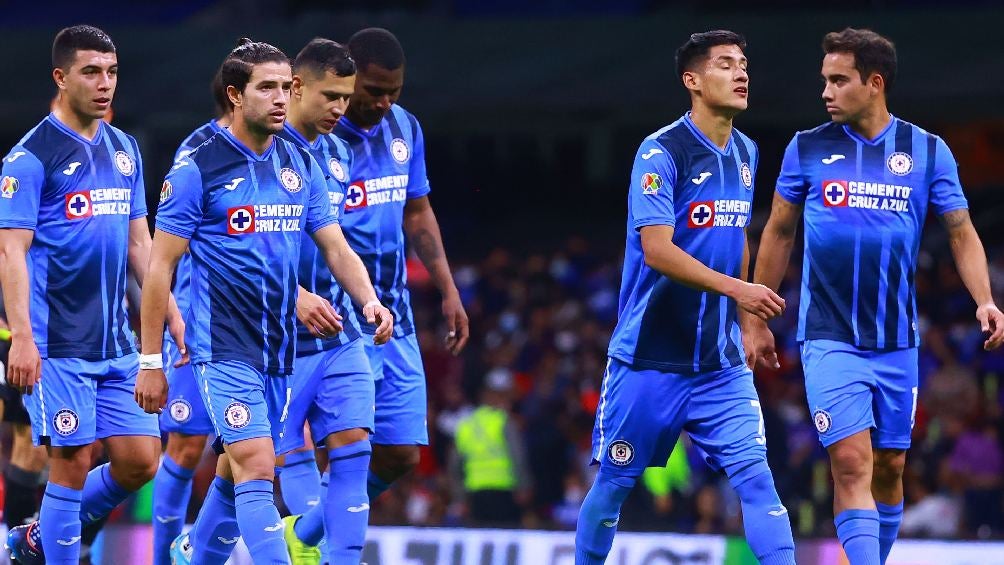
x,y
299,552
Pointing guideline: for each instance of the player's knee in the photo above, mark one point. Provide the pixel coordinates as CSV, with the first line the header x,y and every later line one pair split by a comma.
x,y
754,483
889,466
186,451
135,473
391,462
348,437
851,466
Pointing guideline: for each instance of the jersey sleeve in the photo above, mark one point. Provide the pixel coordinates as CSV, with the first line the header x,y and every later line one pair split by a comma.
x,y
418,179
946,190
319,213
138,205
21,181
650,195
181,200
791,183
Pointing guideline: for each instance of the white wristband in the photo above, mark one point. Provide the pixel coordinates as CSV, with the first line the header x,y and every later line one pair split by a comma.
x,y
372,303
151,361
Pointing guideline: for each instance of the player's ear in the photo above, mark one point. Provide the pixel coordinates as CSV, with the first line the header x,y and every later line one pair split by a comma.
x,y
59,76
297,88
691,80
876,82
234,95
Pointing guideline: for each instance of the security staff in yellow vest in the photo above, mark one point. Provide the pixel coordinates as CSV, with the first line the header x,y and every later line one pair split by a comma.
x,y
489,466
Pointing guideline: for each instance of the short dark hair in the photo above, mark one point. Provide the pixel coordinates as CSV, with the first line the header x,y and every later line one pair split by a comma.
x,y
872,52
322,55
69,40
221,101
376,46
239,64
698,45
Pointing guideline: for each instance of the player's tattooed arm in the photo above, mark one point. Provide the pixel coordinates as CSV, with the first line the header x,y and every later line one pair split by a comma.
x,y
956,219
971,261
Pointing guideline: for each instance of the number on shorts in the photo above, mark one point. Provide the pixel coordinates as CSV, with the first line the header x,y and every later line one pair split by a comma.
x,y
761,429
913,411
285,407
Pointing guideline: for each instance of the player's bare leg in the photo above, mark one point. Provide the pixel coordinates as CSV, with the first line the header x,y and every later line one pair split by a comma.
x,y
855,515
27,461
391,462
887,488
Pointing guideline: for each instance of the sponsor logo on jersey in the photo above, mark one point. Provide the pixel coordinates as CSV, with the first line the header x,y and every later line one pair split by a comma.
x,y
240,219
727,213
98,202
8,186
264,218
620,452
124,163
867,195
374,192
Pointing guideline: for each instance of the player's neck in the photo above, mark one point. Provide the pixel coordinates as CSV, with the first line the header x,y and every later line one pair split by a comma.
x,y
253,140
714,126
872,123
86,126
295,120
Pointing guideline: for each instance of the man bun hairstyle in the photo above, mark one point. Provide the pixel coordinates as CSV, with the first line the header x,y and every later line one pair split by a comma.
x,y
237,67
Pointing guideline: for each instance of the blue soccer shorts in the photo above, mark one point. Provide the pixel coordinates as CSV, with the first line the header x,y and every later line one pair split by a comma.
x,y
851,390
186,412
243,402
78,401
400,391
332,391
642,412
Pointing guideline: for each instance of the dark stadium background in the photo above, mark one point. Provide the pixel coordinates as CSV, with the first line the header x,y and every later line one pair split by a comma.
x,y
532,111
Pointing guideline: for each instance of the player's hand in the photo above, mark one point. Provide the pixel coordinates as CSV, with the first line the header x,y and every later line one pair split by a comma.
x,y
457,325
24,364
317,314
758,341
992,323
151,390
759,300
379,315
176,327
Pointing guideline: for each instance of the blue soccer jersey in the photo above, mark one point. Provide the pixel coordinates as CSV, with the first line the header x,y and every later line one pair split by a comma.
x,y
388,169
78,196
681,179
335,158
196,138
244,215
865,204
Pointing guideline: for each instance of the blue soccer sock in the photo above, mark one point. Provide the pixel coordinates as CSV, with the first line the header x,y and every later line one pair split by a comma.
x,y
347,507
101,494
598,517
59,520
375,486
858,531
309,528
215,530
890,517
172,489
765,519
300,482
259,521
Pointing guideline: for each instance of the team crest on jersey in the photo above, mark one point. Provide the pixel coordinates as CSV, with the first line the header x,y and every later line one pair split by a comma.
x,y
240,220
124,163
180,410
166,190
290,180
620,452
899,163
66,422
237,415
78,205
835,193
399,150
337,170
8,186
747,176
821,418
701,214
650,183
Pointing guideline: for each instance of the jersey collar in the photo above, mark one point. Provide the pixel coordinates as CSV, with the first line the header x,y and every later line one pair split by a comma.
x,y
299,138
68,131
878,138
347,123
704,139
245,149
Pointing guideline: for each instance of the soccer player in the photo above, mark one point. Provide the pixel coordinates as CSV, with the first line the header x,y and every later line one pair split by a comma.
x,y
676,357
241,203
388,199
865,181
72,206
332,385
186,420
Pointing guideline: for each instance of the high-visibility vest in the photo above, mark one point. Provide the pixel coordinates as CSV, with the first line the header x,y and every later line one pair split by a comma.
x,y
482,443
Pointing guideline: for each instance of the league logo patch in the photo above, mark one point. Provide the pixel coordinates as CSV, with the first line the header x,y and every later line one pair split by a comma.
x,y
66,422
650,183
702,214
399,150
237,415
124,163
290,180
355,196
240,220
78,205
835,193
620,452
166,190
8,186
747,176
337,170
821,418
899,163
180,410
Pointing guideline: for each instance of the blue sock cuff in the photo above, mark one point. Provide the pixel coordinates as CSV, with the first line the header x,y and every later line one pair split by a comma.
x,y
889,509
299,458
63,498
175,470
857,522
855,513
113,487
225,487
257,486
354,456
